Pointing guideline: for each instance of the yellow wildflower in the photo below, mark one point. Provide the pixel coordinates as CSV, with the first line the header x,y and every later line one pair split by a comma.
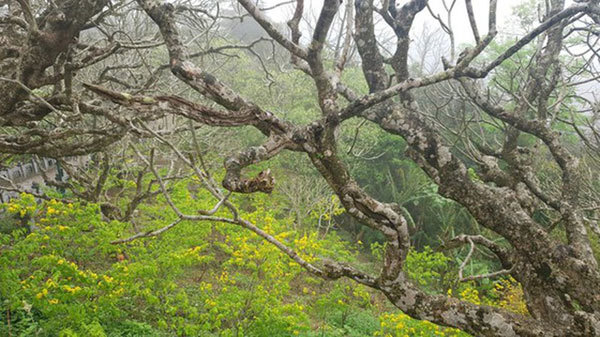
x,y
70,289
41,294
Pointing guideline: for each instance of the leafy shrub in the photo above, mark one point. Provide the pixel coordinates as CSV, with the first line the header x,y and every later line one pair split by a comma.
x,y
400,325
65,278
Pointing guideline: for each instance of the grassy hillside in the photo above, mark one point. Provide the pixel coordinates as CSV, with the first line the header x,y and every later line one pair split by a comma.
x,y
65,278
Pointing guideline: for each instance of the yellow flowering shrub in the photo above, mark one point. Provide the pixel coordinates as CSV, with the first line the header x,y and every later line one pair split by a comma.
x,y
66,276
508,294
199,278
401,325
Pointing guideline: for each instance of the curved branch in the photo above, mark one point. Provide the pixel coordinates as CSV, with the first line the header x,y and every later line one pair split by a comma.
x,y
264,181
269,27
544,26
502,253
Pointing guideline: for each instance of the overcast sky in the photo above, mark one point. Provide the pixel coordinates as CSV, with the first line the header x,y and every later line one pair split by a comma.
x,y
460,23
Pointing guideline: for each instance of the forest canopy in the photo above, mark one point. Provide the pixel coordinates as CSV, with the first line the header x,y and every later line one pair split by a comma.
x,y
285,168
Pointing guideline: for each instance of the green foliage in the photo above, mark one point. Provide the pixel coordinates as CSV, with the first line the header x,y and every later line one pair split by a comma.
x,y
400,325
506,293
65,278
427,268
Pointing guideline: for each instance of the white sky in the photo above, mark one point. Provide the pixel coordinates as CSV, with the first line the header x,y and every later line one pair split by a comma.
x,y
428,57
460,23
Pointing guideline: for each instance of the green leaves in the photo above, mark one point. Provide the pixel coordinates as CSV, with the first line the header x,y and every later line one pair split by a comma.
x,y
427,267
197,277
66,279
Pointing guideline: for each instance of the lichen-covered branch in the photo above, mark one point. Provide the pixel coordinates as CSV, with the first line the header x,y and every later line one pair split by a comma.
x,y
264,181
